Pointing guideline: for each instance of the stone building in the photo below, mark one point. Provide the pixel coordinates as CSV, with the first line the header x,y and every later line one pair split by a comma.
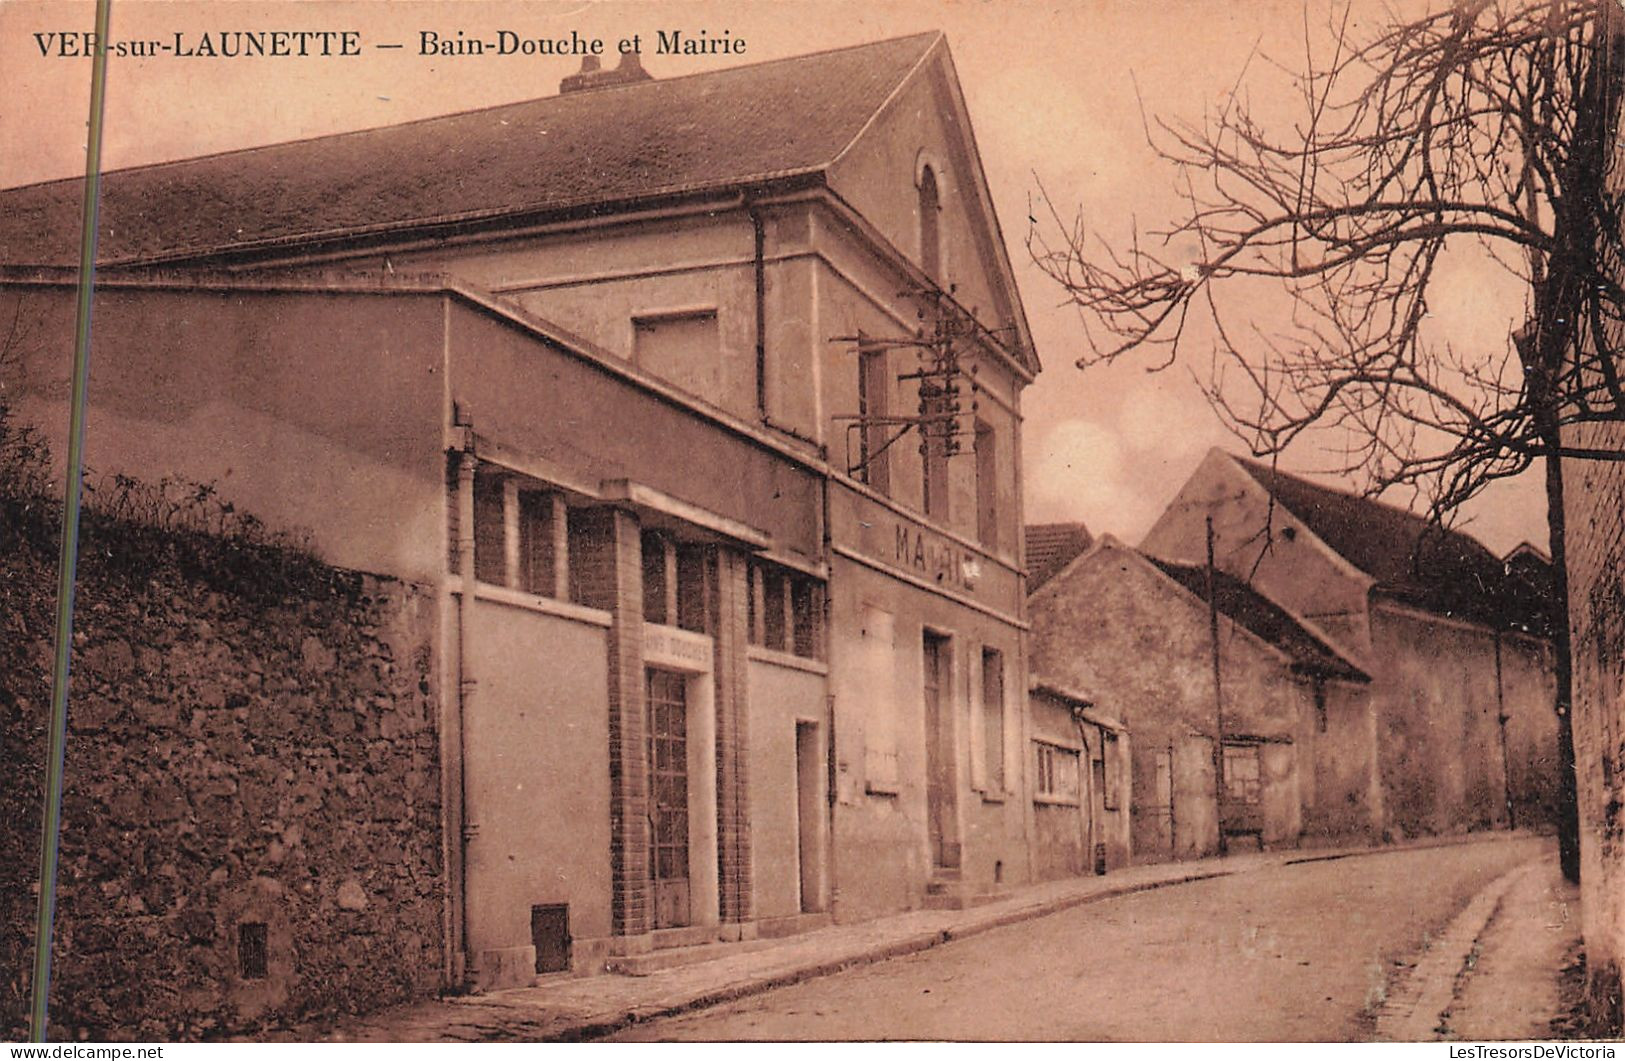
x,y
1462,688
659,388
1136,635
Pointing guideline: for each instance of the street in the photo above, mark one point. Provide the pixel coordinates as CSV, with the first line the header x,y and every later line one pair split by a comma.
x,y
1302,951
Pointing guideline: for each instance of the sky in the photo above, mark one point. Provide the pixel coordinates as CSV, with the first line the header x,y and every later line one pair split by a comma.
x,y
1056,89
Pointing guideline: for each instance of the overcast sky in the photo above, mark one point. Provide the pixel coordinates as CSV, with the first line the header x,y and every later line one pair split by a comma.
x,y
1052,92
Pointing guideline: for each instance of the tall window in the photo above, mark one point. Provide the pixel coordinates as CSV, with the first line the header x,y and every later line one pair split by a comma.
x,y
987,485
874,394
993,718
930,234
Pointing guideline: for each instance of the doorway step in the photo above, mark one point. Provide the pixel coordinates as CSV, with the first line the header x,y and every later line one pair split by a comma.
x,y
674,948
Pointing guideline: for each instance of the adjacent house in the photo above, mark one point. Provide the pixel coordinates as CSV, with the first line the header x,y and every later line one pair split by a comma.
x,y
1198,665
1081,785
668,392
1462,688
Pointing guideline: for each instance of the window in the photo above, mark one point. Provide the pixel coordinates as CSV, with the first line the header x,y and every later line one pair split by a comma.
x,y
543,547
693,587
993,718
684,348
875,672
987,486
1055,776
490,531
1320,705
252,951
874,404
930,234
1110,770
520,538
786,610
1241,779
658,584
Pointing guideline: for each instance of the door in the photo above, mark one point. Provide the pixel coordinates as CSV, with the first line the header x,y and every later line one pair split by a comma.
x,y
809,768
939,763
668,774
1242,811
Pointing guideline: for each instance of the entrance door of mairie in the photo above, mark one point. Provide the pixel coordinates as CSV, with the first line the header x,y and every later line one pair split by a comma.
x,y
668,777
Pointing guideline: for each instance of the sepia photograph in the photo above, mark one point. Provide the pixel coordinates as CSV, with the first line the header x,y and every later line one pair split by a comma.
x,y
1056,521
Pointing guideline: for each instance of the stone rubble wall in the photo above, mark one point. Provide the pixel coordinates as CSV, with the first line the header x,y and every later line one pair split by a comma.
x,y
252,741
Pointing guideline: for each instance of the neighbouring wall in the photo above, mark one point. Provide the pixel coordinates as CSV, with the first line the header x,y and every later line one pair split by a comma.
x,y
252,743
1595,540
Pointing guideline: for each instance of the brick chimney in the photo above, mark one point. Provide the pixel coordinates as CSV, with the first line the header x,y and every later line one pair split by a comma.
x,y
592,75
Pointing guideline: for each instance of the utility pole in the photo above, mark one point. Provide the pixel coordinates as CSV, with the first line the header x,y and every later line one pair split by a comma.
x,y
1218,693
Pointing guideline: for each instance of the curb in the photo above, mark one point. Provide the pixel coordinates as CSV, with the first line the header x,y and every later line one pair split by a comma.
x,y
1417,1008
915,944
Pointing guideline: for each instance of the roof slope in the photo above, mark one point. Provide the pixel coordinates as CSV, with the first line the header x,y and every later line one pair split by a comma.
x,y
1409,557
648,139
1050,547
1263,618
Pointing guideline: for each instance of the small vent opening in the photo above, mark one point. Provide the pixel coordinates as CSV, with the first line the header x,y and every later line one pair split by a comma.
x,y
251,958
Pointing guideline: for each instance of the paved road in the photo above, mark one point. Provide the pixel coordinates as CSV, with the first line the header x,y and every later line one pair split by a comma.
x,y
1302,952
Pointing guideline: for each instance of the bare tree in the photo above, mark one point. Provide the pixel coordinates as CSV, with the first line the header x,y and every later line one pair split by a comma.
x,y
1483,128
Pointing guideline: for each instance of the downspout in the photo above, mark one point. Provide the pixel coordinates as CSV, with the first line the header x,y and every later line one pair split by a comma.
x,y
1087,770
1218,694
1501,722
466,830
832,762
759,234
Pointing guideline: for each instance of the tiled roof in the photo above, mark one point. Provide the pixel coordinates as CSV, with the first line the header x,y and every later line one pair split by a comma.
x,y
1259,615
1411,558
641,141
1050,547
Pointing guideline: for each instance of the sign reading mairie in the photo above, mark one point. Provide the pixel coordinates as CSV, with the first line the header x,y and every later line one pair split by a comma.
x,y
894,541
930,555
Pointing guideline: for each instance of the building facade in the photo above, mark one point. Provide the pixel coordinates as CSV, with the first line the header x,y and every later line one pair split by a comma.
x,y
1462,682
674,393
1192,681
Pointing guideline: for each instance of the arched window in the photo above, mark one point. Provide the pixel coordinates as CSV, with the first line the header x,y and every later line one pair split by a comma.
x,y
930,238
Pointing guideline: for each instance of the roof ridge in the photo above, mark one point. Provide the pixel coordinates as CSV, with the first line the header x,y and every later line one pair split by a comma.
x,y
250,148
1352,495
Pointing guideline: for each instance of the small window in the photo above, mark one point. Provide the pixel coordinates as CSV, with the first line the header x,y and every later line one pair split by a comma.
x,y
252,959
874,405
540,544
993,718
490,531
1241,777
773,609
987,486
930,225
1055,777
786,610
656,582
693,597
1110,771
